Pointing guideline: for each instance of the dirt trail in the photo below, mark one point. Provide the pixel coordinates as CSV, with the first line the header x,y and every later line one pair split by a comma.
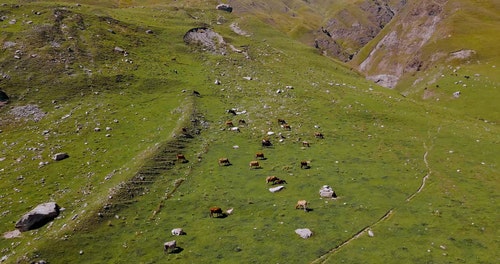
x,y
326,256
424,179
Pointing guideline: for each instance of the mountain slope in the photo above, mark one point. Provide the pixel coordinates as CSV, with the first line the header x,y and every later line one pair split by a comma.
x,y
420,176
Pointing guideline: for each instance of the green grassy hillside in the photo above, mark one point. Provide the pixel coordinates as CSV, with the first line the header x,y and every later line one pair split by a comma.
x,y
420,176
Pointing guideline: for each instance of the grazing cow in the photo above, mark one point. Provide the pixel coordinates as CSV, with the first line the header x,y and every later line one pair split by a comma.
x,y
266,142
279,181
286,126
254,164
318,135
229,124
169,246
281,121
304,164
305,144
259,155
224,162
215,210
181,158
271,179
242,122
301,204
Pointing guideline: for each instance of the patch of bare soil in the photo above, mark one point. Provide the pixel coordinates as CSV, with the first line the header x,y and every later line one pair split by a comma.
x,y
27,112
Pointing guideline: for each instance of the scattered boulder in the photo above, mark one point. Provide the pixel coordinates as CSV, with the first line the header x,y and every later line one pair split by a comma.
x,y
178,232
4,98
327,192
304,232
12,234
60,156
276,189
225,7
38,217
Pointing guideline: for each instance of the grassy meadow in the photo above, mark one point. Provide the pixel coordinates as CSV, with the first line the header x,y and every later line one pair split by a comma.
x,y
420,174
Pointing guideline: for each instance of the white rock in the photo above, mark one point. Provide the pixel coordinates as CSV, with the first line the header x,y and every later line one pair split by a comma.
x,y
177,232
276,189
304,232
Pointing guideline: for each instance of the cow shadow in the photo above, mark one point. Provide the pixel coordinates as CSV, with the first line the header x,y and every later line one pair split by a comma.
x,y
176,250
221,216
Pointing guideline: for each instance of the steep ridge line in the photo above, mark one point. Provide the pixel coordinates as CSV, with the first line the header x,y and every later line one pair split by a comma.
x,y
163,160
324,257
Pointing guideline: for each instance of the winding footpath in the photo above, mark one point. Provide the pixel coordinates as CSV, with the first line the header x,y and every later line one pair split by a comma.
x,y
323,258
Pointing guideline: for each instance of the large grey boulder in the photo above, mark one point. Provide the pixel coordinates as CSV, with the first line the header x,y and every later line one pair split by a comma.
x,y
38,217
303,232
276,189
4,98
327,192
60,156
225,7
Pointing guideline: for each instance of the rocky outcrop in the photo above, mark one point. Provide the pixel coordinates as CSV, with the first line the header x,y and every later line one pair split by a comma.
x,y
4,98
353,27
225,7
207,39
38,217
399,51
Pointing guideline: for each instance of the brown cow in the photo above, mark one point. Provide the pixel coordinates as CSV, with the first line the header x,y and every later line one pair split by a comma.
x,y
279,181
181,158
318,135
254,164
224,162
286,126
301,204
305,164
305,144
271,179
229,123
259,155
215,210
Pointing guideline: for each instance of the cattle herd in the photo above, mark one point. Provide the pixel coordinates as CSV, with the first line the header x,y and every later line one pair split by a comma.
x,y
217,212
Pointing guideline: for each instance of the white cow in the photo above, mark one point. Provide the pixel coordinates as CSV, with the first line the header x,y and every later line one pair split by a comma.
x,y
169,246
